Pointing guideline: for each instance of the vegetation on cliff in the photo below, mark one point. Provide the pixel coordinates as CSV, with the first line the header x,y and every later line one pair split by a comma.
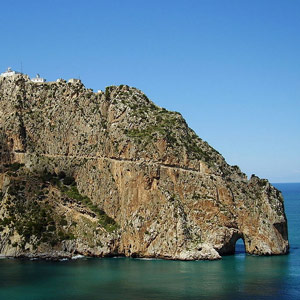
x,y
30,209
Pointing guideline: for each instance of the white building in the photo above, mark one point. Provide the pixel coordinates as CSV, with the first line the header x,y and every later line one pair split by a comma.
x,y
73,80
38,78
9,72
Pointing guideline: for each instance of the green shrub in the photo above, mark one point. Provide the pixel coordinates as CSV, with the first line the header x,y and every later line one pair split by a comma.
x,y
107,93
69,180
61,175
14,167
63,222
5,221
46,176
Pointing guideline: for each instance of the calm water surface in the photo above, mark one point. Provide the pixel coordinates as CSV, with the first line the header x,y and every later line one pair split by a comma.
x,y
234,277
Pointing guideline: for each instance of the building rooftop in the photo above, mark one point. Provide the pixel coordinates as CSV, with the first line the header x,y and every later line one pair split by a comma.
x,y
9,72
38,78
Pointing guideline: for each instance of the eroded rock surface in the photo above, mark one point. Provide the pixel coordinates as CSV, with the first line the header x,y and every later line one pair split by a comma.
x,y
111,173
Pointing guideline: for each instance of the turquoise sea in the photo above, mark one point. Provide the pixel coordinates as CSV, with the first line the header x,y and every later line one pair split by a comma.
x,y
234,277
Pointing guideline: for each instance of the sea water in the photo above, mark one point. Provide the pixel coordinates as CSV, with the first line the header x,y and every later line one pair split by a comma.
x,y
239,276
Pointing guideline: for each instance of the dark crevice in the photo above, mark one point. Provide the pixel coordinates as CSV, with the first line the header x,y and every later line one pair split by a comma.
x,y
282,229
6,153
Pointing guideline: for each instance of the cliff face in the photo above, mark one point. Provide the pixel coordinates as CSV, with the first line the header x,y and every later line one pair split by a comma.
x,y
113,174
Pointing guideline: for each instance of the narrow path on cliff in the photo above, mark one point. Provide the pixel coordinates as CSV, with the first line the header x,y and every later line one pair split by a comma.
x,y
127,160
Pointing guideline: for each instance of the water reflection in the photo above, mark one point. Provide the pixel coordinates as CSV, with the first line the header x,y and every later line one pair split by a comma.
x,y
235,277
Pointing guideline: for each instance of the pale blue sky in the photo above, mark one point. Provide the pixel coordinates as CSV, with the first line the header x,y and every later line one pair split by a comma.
x,y
231,67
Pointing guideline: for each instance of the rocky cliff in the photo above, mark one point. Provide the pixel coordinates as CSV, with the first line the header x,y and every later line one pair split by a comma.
x,y
111,173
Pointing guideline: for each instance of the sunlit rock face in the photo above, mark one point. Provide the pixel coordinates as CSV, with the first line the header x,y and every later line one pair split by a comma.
x,y
111,173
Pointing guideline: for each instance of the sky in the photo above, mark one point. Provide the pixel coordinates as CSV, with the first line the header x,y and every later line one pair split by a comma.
x,y
231,68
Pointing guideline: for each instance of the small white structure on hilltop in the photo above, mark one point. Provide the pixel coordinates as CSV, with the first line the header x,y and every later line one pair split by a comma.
x,y
38,78
9,72
73,80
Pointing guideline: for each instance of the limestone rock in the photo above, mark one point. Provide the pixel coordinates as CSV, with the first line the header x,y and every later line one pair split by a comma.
x,y
111,173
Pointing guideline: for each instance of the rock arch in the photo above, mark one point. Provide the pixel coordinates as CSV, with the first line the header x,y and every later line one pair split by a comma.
x,y
229,246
